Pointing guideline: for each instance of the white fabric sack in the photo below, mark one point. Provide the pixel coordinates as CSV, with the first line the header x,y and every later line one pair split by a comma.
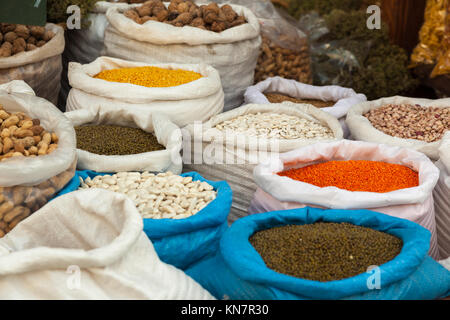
x,y
233,52
361,128
40,68
415,204
18,97
95,250
183,104
219,156
445,263
441,196
86,45
344,97
167,133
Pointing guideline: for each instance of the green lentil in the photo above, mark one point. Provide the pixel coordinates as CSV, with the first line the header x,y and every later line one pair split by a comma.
x,y
115,140
324,251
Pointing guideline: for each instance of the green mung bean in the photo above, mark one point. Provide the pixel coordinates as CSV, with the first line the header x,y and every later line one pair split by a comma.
x,y
324,251
115,140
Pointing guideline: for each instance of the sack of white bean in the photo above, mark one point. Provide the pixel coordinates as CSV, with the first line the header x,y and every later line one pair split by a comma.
x,y
401,121
184,216
40,68
413,203
183,104
37,153
341,99
240,271
441,194
166,133
228,146
102,246
233,52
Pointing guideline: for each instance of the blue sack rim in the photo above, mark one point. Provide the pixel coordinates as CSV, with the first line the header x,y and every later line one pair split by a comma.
x,y
247,264
214,214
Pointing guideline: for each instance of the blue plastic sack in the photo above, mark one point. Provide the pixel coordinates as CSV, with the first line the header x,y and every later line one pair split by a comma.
x,y
182,242
238,271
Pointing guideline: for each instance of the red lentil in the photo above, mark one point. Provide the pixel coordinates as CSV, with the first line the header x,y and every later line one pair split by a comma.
x,y
356,175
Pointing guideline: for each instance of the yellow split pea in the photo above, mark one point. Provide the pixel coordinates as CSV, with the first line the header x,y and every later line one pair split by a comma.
x,y
149,76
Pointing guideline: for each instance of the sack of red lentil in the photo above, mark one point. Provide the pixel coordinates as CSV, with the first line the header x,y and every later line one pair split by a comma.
x,y
412,199
88,245
183,104
181,241
441,194
86,44
110,157
249,266
233,52
40,68
402,121
231,152
334,100
30,173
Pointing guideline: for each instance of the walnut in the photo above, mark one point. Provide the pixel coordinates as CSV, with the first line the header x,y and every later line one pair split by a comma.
x,y
7,27
19,45
10,37
218,26
132,14
162,15
40,43
184,18
48,35
22,31
145,9
37,31
31,40
197,22
30,47
6,49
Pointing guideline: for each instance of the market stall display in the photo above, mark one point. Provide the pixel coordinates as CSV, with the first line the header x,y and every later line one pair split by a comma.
x,y
32,54
33,168
441,194
343,98
376,185
133,152
401,121
233,52
241,273
105,242
180,237
228,146
183,104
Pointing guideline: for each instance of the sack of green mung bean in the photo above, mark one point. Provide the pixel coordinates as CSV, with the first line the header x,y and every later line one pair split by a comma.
x,y
351,175
275,90
35,61
233,52
441,194
183,104
229,145
374,257
184,215
37,153
113,141
401,121
86,44
96,236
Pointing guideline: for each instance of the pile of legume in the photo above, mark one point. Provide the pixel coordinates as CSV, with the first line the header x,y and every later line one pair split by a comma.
x,y
149,76
115,140
278,98
161,196
324,251
356,175
411,121
276,126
